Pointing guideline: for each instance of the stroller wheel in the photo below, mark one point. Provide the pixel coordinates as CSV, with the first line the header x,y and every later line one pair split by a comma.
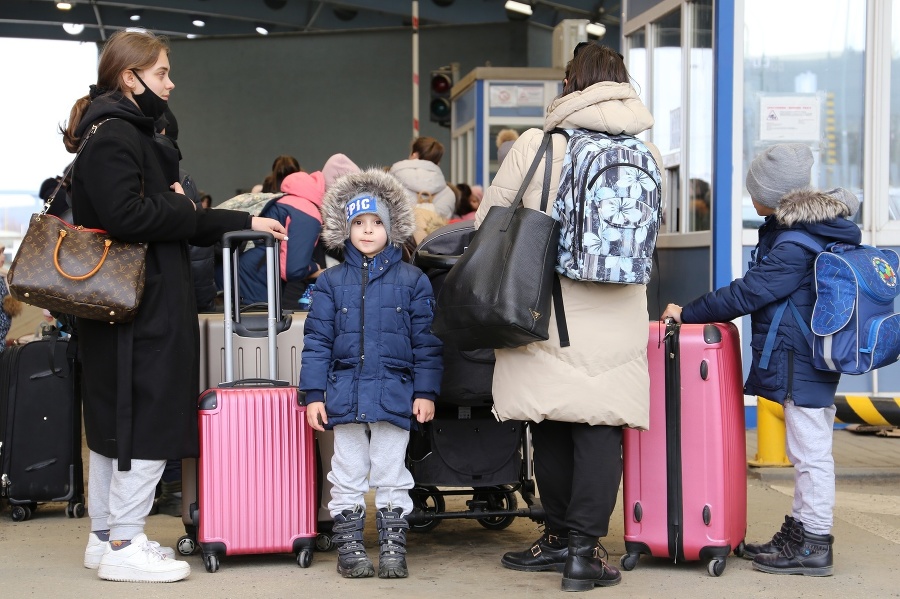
x,y
426,500
497,501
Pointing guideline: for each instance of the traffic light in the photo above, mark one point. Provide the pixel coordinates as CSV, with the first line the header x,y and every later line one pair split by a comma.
x,y
441,84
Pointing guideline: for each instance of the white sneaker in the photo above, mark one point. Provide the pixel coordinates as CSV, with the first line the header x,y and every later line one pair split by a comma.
x,y
96,548
141,561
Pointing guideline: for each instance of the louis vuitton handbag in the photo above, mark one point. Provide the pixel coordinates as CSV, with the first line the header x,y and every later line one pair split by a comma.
x,y
73,270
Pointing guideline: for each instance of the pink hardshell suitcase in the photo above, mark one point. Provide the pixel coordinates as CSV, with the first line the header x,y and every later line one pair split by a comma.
x,y
257,469
685,481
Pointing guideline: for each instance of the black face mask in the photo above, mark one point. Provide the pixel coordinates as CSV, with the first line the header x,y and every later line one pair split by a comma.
x,y
149,103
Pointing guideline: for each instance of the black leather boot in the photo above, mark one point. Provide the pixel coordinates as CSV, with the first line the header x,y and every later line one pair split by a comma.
x,y
348,538
586,565
804,553
546,554
392,527
773,546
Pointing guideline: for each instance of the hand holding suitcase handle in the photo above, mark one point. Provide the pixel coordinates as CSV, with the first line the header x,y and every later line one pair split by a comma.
x,y
233,238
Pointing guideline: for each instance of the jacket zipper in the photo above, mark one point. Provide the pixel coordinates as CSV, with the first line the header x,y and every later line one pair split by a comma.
x,y
362,316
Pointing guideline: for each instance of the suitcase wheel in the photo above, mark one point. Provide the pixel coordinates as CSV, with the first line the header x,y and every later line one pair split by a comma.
x,y
186,545
739,550
75,510
304,558
716,567
629,561
211,562
324,542
20,513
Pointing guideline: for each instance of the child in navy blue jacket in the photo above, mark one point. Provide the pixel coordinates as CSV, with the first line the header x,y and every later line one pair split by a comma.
x,y
777,182
370,364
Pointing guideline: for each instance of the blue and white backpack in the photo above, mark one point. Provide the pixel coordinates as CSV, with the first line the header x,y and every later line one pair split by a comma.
x,y
609,208
854,328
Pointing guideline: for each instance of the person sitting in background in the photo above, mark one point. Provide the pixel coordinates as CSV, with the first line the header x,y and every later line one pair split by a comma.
x,y
205,200
423,179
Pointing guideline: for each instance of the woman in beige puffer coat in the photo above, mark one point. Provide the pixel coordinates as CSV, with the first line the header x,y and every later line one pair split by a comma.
x,y
580,397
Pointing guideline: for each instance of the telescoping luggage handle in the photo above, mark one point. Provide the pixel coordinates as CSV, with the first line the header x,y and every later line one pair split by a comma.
x,y
230,242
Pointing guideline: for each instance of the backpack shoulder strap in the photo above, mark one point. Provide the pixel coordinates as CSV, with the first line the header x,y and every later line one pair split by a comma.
x,y
799,238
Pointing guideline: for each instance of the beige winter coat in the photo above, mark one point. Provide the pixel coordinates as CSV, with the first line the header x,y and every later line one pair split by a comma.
x,y
602,377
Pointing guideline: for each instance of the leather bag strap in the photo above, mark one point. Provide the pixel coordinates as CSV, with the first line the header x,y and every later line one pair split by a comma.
x,y
517,202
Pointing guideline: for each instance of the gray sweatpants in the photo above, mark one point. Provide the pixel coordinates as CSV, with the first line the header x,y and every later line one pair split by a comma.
x,y
369,455
809,439
120,501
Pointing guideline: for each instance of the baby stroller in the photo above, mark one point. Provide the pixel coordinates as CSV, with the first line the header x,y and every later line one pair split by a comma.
x,y
465,450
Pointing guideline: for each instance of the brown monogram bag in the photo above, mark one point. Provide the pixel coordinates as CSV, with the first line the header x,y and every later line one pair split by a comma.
x,y
72,270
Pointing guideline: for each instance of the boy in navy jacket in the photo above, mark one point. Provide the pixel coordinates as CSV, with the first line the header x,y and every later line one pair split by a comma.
x,y
778,184
370,364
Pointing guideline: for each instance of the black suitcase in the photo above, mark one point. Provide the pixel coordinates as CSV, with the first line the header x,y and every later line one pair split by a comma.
x,y
40,428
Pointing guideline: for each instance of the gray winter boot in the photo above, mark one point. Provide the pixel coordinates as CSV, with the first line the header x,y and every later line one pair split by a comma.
x,y
392,527
348,538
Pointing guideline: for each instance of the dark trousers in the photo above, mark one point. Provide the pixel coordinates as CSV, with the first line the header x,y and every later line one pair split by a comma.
x,y
578,468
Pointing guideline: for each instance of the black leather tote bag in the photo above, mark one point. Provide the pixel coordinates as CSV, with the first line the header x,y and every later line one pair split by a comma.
x,y
498,293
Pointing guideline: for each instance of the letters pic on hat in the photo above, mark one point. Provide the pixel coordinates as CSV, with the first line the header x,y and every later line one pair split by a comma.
x,y
369,204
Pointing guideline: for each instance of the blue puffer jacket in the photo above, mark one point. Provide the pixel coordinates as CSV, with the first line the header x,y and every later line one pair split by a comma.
x,y
368,349
774,275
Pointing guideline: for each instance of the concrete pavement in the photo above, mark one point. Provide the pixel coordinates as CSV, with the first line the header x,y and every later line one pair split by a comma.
x,y
42,556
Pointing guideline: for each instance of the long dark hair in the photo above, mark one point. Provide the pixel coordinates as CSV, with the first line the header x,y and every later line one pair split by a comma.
x,y
592,64
283,166
125,50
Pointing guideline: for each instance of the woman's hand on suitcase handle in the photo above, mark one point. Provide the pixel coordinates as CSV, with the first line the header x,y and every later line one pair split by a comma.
x,y
316,416
672,311
423,409
269,225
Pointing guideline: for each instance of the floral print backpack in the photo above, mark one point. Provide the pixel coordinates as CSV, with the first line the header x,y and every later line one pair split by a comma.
x,y
609,208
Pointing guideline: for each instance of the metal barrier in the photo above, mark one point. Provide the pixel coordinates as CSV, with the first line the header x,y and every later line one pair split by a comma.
x,y
851,409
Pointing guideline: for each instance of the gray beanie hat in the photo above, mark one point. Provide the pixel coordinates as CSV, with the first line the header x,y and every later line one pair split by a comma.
x,y
367,203
777,171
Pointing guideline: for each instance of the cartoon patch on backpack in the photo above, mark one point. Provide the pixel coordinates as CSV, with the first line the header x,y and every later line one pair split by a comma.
x,y
609,208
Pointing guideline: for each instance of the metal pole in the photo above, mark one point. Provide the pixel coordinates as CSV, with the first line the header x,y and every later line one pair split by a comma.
x,y
415,68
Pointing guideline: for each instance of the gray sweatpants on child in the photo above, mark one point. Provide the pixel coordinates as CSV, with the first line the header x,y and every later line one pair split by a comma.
x,y
809,440
121,501
369,455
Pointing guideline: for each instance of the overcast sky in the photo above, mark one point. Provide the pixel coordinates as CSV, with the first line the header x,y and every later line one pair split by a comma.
x,y
41,81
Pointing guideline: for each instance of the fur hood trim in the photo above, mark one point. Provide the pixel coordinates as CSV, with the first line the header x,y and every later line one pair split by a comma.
x,y
374,181
811,206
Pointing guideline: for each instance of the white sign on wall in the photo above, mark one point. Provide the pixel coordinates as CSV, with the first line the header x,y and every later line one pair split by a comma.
x,y
789,118
511,96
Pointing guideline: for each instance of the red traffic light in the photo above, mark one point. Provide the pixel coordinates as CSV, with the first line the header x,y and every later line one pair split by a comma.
x,y
441,83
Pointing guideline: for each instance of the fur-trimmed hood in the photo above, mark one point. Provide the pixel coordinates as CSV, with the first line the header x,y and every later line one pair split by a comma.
x,y
812,206
386,187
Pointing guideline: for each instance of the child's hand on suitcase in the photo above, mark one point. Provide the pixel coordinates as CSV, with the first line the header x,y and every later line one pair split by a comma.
x,y
316,416
672,311
423,409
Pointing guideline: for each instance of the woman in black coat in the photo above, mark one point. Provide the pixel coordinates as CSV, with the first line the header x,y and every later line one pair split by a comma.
x,y
140,379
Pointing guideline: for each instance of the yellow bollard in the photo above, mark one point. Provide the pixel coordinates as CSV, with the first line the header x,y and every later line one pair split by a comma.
x,y
770,435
